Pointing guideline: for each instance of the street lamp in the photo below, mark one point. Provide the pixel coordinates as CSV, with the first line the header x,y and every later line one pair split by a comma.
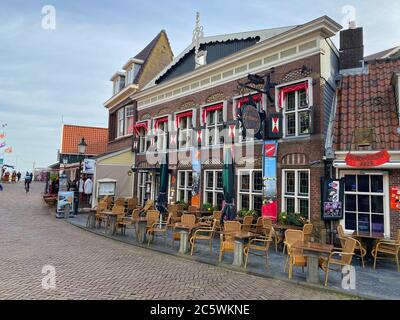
x,y
81,151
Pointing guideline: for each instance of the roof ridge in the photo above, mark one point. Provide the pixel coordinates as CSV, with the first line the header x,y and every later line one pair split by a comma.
x,y
82,126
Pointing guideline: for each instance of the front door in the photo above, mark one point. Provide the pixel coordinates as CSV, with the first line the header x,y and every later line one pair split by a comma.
x,y
366,202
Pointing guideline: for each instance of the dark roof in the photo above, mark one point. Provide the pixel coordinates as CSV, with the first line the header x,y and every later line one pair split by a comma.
x,y
388,53
145,53
368,101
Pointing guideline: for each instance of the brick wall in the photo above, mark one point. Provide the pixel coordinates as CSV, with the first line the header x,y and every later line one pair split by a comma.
x,y
394,180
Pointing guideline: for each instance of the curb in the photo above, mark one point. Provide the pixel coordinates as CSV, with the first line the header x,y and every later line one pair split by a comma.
x,y
232,268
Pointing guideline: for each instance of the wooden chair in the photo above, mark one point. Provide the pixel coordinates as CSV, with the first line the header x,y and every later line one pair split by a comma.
x,y
388,247
267,227
173,209
247,223
100,216
307,231
148,205
159,228
217,216
359,248
188,220
226,239
152,217
295,256
132,204
129,221
203,234
260,243
120,212
108,200
345,257
119,202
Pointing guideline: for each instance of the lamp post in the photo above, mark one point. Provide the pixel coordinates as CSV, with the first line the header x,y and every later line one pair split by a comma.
x,y
81,151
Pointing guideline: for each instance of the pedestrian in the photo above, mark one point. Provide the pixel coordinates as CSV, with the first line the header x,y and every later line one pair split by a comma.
x,y
19,176
31,174
27,181
81,188
88,188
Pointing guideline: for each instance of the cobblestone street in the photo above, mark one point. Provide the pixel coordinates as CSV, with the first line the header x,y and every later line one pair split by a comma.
x,y
89,266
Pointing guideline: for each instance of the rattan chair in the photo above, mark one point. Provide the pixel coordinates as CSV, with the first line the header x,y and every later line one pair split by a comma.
x,y
173,209
120,212
132,204
258,244
217,216
307,232
188,220
359,250
159,228
267,227
119,202
247,223
387,247
129,221
295,255
100,216
203,234
257,228
345,257
227,240
148,205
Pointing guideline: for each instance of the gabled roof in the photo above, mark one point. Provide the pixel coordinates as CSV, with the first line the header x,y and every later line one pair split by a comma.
x,y
96,139
385,54
260,35
368,101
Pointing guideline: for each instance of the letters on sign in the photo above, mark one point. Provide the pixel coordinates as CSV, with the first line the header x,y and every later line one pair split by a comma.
x,y
367,160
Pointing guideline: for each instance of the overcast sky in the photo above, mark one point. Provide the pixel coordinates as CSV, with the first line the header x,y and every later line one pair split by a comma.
x,y
49,74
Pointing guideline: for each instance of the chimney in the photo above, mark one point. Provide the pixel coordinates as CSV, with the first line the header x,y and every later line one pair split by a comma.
x,y
351,47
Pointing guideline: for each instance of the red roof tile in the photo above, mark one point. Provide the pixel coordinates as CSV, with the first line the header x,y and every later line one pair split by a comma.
x,y
367,101
96,139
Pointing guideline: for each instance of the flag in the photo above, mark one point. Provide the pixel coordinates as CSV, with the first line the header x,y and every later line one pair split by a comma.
x,y
3,144
8,150
2,135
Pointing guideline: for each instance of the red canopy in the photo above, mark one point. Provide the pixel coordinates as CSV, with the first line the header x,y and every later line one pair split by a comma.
x,y
295,87
181,115
208,109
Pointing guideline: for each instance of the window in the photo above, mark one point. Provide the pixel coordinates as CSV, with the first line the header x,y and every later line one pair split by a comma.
x,y
185,186
161,128
144,142
185,131
296,192
129,112
143,186
131,73
213,191
214,126
250,186
118,84
120,124
296,113
364,203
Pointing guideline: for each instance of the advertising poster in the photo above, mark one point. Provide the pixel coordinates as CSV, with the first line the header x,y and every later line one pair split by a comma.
x,y
88,166
395,198
332,204
196,169
269,207
65,197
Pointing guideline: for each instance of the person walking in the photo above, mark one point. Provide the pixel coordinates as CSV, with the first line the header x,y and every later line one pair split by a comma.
x,y
19,176
27,181
88,188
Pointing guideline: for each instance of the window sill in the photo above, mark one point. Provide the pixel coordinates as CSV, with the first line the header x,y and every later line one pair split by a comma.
x,y
302,137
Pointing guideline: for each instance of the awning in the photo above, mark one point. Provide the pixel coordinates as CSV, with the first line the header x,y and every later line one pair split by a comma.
x,y
208,109
181,115
295,87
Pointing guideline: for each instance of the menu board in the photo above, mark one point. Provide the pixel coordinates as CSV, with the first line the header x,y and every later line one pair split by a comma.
x,y
332,204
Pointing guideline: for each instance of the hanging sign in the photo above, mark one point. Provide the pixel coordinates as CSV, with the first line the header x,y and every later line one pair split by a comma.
x,y
332,204
367,160
269,208
395,198
251,119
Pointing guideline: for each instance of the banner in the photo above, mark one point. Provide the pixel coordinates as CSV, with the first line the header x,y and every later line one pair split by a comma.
x,y
88,166
65,197
270,206
332,208
367,160
395,198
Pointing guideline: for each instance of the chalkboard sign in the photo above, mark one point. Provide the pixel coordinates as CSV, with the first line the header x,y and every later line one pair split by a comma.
x,y
332,199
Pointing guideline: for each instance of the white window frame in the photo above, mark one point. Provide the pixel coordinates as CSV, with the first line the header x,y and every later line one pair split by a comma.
x,y
296,196
204,123
186,188
120,122
251,193
141,183
214,190
189,132
385,194
127,108
162,133
143,140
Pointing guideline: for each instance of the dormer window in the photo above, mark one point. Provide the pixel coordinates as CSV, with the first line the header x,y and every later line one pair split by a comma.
x,y
201,58
118,82
132,68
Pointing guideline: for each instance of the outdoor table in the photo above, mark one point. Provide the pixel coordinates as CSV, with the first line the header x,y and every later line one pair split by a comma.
x,y
92,219
113,221
369,239
184,231
141,225
313,250
241,238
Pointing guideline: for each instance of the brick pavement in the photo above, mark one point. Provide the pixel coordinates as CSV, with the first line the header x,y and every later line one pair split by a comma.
x,y
89,266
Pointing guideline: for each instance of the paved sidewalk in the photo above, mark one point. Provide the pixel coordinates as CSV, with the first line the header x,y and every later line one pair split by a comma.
x,y
89,266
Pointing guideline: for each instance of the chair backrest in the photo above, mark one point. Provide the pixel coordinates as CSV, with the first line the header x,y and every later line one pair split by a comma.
x,y
132,202
118,209
232,226
247,220
349,247
267,223
217,215
293,236
341,234
172,208
102,206
398,237
307,231
152,216
135,214
119,202
148,205
188,219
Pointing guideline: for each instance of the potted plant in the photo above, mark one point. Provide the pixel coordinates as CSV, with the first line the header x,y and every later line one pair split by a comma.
x,y
208,207
182,205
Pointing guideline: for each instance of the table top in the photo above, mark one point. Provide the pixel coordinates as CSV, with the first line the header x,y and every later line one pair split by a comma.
x,y
110,213
243,235
184,226
314,246
286,226
366,234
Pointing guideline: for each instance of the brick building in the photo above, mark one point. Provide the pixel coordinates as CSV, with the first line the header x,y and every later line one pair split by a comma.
x,y
199,88
365,138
